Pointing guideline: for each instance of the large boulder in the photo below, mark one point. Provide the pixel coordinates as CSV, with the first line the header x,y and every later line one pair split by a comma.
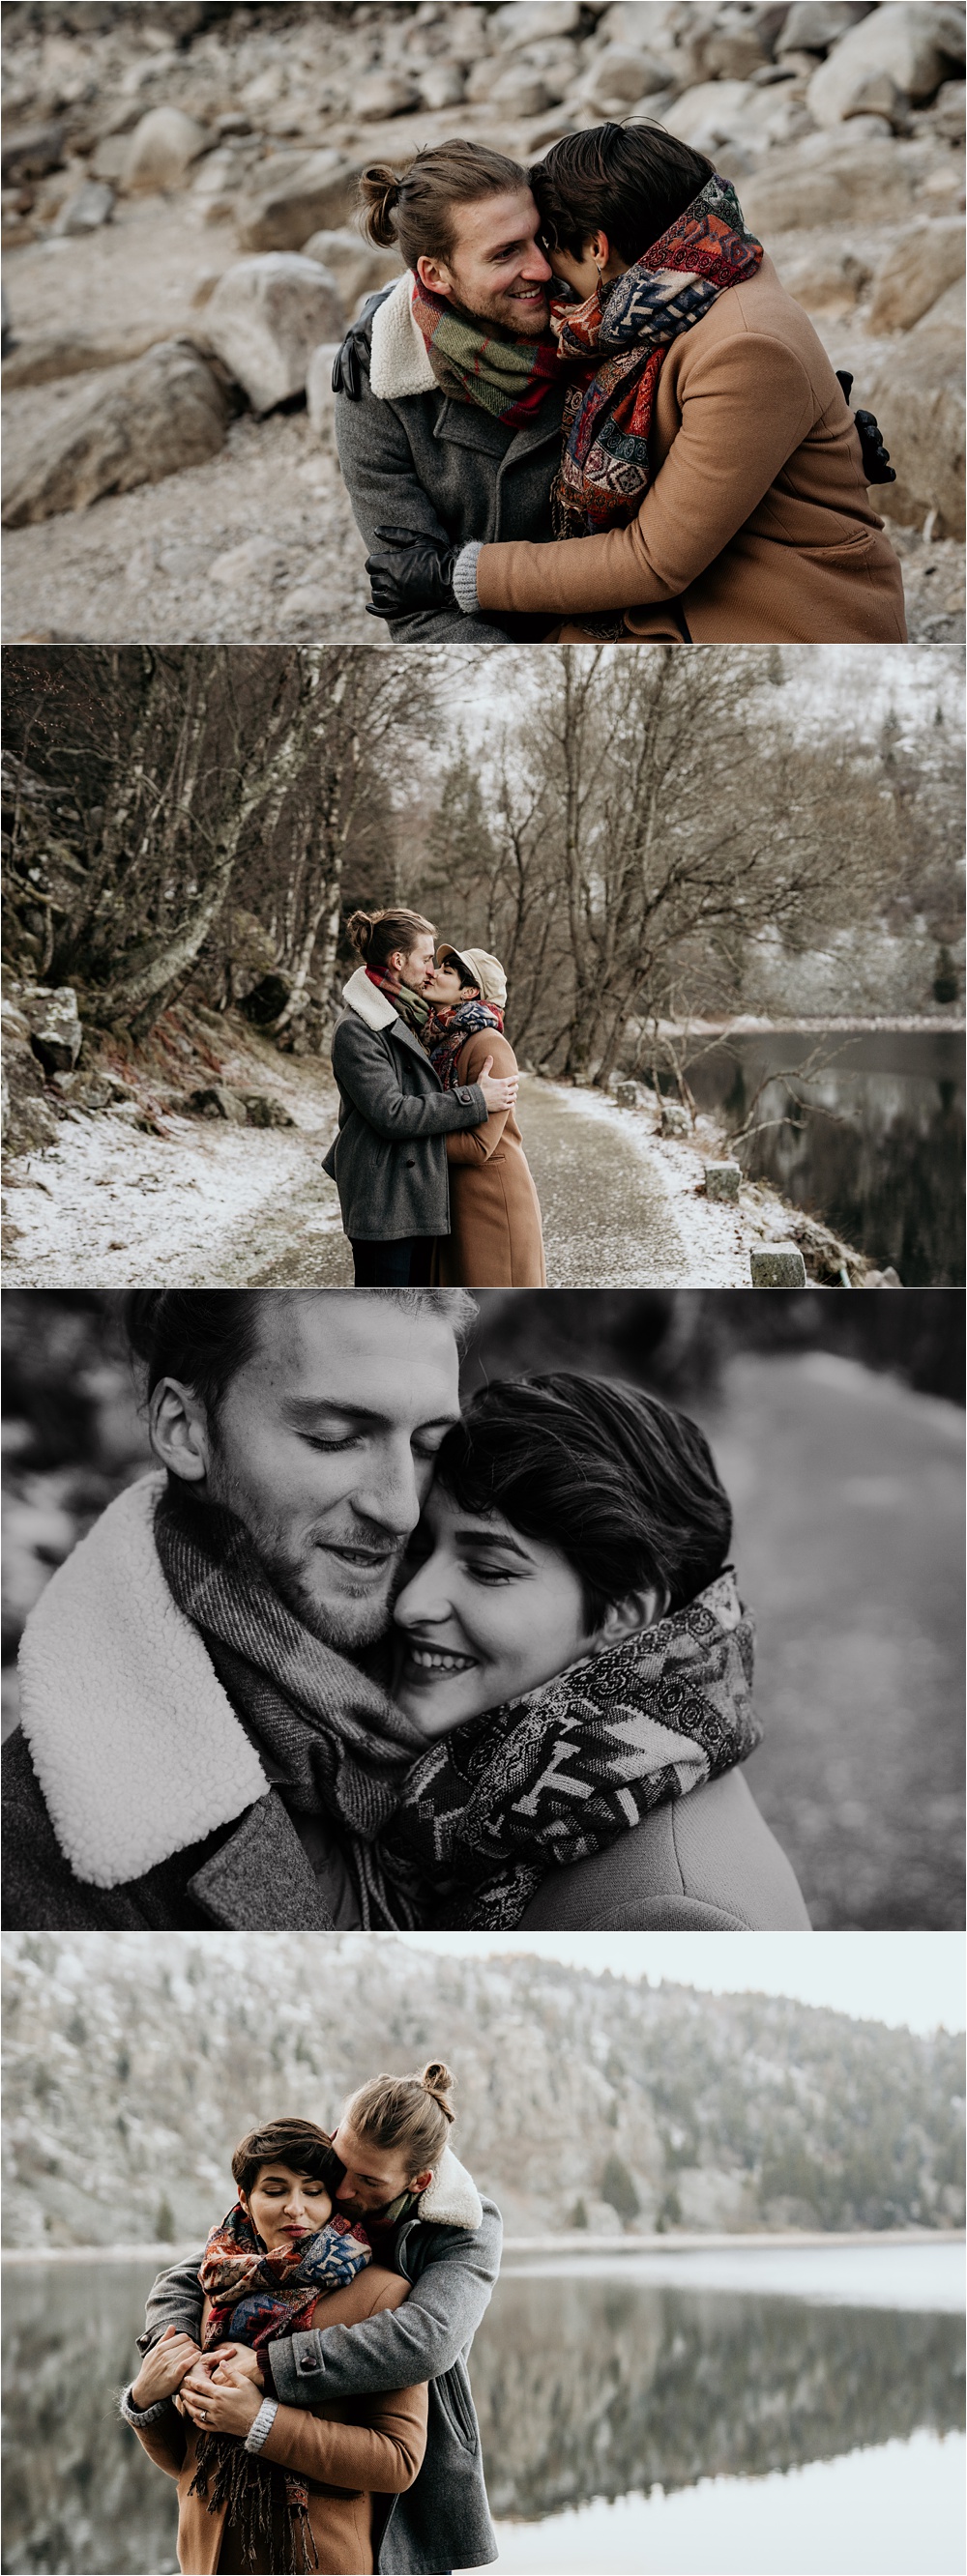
x,y
621,74
53,1019
812,26
441,85
30,153
916,271
359,267
515,27
913,46
85,210
285,204
382,94
830,179
916,388
131,425
161,150
266,317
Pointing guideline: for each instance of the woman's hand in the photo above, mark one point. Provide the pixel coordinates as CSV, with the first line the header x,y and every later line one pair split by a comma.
x,y
499,1092
164,2367
227,2403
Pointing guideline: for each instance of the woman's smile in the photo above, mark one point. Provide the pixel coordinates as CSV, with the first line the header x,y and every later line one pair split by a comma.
x,y
485,1617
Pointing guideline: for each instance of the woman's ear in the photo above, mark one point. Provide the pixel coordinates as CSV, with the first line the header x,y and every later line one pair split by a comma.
x,y
626,1618
599,249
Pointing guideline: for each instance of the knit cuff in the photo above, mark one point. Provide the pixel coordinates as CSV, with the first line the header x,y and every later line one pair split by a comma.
x,y
465,579
141,2414
258,2433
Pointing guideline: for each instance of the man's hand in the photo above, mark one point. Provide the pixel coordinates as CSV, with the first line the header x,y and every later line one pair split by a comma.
x,y
876,458
499,1091
414,571
227,2403
164,2367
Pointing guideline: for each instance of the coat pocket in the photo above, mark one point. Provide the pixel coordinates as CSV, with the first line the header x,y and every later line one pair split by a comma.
x,y
458,2409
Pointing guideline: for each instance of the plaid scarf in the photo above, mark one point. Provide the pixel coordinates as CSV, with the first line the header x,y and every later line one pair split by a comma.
x,y
625,332
411,1006
509,378
448,1032
256,2296
559,1774
341,1747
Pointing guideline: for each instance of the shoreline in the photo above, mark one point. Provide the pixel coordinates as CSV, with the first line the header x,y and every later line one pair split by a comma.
x,y
575,2241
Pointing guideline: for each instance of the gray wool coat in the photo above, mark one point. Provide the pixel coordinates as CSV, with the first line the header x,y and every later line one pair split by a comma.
x,y
414,458
443,2520
389,1159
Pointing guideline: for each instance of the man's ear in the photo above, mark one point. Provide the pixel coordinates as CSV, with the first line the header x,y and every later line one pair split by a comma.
x,y
179,1431
421,2182
434,275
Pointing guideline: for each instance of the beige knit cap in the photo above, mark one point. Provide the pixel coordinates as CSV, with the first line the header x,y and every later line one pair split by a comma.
x,y
485,970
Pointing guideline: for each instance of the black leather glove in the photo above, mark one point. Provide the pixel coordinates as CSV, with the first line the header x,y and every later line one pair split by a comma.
x,y
347,373
414,571
876,458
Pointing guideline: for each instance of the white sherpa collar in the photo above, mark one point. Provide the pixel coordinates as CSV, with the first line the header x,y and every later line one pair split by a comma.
x,y
136,1746
369,1004
452,2198
399,361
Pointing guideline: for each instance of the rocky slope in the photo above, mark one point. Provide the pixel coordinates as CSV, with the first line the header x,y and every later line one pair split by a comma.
x,y
179,187
584,2100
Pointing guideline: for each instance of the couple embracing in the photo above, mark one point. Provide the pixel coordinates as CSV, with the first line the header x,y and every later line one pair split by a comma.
x,y
590,408
305,2380
357,1654
429,1163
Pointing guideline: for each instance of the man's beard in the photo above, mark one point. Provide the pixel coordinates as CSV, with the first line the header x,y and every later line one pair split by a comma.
x,y
360,1619
508,317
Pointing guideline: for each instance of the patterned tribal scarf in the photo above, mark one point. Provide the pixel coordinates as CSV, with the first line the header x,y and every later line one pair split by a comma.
x,y
411,1006
255,2297
559,1774
342,1748
626,330
447,1035
509,378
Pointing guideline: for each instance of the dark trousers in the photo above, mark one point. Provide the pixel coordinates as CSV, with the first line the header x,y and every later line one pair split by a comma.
x,y
402,1264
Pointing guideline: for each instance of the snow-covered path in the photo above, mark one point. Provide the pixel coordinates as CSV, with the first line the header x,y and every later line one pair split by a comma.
x,y
225,1206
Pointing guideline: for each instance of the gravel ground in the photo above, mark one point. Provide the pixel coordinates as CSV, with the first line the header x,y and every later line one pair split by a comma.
x,y
849,1544
213,1205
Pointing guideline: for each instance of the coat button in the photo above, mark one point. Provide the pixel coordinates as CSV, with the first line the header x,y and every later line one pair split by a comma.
x,y
411,1162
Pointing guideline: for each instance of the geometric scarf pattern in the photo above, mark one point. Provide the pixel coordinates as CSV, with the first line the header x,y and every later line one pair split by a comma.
x,y
560,1773
507,378
339,1745
625,331
448,1033
255,2297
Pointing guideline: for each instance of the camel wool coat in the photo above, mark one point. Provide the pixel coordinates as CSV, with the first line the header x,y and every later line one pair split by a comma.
x,y
757,527
495,1238
352,2451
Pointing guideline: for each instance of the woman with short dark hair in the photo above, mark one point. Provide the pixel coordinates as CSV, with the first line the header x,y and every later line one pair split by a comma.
x,y
713,481
572,1644
265,2488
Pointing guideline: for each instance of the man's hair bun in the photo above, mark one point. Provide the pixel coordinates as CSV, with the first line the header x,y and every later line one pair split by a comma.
x,y
379,193
437,2079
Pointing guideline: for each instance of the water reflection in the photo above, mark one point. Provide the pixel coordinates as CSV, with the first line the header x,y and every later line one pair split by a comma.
x,y
885,1170
584,2389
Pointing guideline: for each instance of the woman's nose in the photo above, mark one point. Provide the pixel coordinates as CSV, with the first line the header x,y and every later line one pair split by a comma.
x,y
425,1598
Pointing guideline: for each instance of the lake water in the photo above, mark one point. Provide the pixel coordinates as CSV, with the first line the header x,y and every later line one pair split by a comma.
x,y
656,2413
885,1168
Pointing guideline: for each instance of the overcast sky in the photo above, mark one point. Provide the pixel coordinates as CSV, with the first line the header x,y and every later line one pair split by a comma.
x,y
911,1979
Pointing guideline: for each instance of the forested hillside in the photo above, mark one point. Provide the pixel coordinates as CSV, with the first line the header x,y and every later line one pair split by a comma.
x,y
133,2067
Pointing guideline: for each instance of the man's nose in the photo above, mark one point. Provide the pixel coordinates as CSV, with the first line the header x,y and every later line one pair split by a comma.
x,y
393,1499
536,268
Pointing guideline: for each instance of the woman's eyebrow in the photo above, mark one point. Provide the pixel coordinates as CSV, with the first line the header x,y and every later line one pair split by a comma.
x,y
491,1538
